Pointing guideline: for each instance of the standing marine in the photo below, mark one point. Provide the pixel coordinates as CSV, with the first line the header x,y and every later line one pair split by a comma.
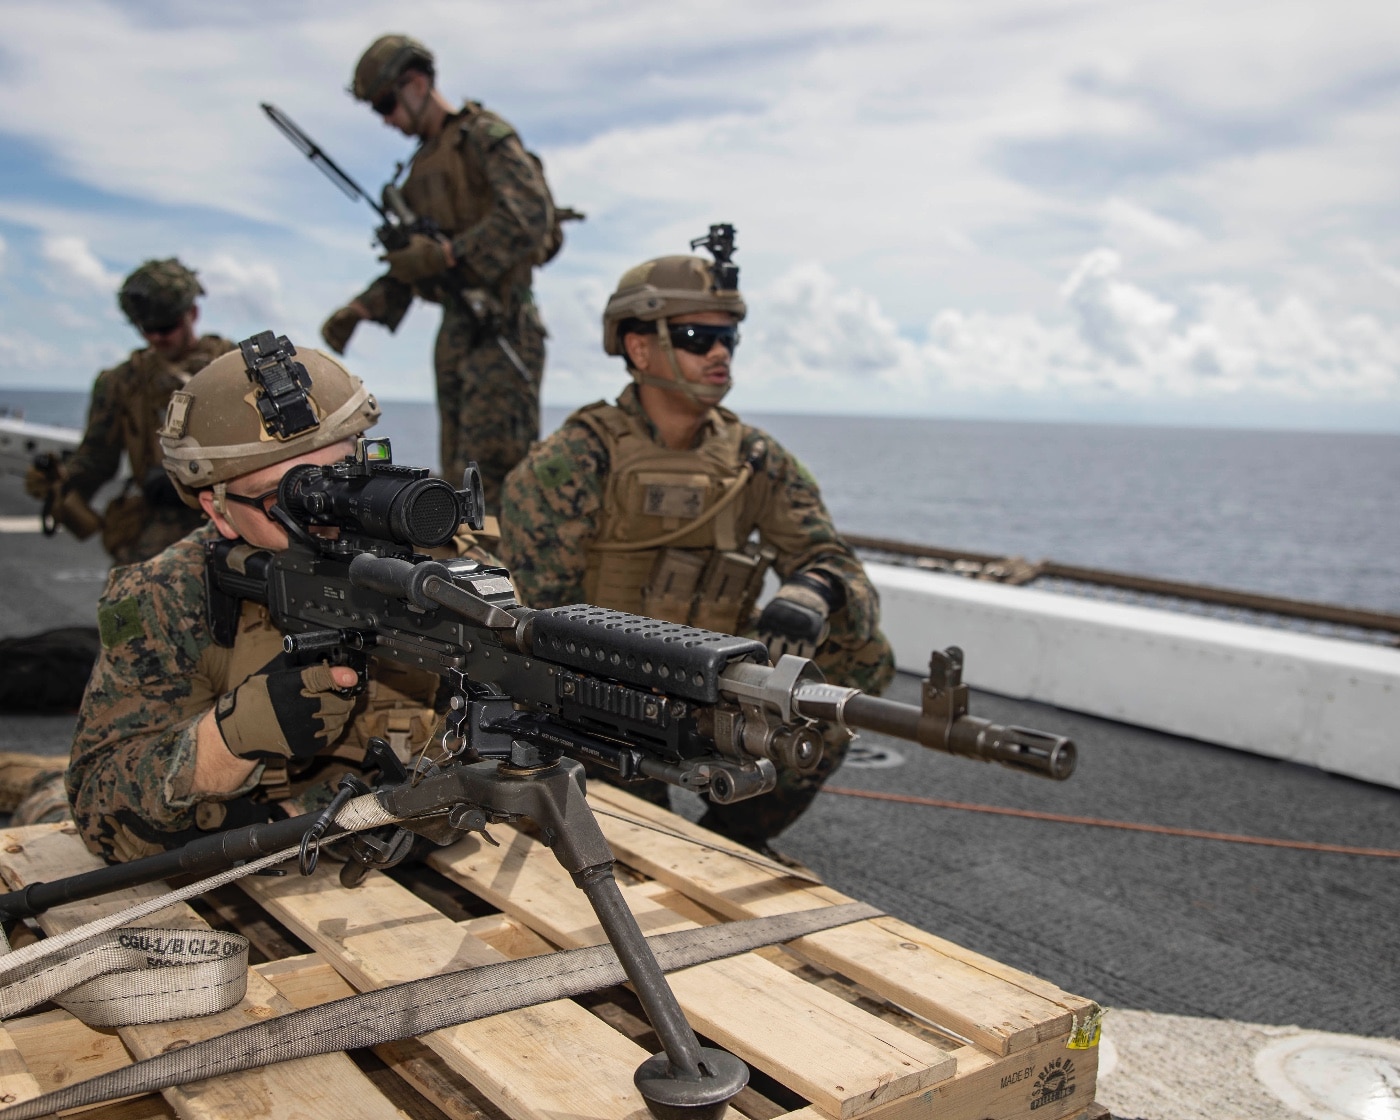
x,y
665,504
493,221
194,720
128,405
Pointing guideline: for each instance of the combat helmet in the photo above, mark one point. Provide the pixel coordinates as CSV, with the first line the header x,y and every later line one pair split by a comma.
x,y
659,290
384,62
263,403
157,294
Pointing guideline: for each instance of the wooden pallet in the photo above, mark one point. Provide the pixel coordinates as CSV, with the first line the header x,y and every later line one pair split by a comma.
x,y
878,1019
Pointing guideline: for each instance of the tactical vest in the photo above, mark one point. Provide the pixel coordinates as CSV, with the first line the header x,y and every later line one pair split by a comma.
x,y
146,389
662,550
153,379
396,705
448,185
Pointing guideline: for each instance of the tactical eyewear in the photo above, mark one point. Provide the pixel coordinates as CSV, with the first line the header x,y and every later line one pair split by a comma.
x,y
259,501
163,327
700,338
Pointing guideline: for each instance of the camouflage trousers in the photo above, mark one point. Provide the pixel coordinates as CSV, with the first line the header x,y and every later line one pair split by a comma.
x,y
487,411
845,659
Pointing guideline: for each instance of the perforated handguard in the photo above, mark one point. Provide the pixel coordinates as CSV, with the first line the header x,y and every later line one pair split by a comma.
x,y
684,661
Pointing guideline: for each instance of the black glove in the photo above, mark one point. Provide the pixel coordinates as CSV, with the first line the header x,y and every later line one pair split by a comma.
x,y
283,712
795,619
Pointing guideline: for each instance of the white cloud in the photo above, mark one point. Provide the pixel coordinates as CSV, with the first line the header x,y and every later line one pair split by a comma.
x,y
834,349
250,287
944,172
1128,220
75,258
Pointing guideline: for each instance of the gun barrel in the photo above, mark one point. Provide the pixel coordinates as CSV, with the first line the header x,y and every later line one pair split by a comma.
x,y
1021,748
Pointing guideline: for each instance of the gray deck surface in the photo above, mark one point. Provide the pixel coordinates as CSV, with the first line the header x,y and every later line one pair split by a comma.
x,y
1181,926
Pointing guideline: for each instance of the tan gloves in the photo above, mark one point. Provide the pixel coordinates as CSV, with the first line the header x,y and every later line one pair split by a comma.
x,y
340,326
283,712
422,257
795,619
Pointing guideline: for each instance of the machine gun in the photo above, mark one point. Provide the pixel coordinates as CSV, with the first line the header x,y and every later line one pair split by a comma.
x,y
532,692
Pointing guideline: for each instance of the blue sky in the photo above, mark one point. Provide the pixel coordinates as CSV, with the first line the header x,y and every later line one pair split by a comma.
x,y
1020,208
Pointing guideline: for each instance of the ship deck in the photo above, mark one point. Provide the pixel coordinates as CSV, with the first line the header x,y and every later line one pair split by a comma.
x,y
1142,922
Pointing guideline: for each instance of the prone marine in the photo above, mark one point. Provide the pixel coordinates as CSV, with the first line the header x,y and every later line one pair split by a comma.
x,y
128,405
179,735
668,505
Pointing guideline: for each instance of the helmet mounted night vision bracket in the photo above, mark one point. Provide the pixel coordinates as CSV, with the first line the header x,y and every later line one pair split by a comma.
x,y
719,243
283,385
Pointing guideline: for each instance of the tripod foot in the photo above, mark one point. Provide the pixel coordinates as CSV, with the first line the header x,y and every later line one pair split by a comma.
x,y
672,1097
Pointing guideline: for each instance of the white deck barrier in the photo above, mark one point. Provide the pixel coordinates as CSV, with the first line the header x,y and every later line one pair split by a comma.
x,y
1325,702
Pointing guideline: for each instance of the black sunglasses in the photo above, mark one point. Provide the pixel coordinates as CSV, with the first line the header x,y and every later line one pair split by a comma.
x,y
258,501
385,103
700,338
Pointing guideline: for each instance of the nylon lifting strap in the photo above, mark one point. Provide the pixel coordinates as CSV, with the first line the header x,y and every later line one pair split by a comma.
x,y
432,1003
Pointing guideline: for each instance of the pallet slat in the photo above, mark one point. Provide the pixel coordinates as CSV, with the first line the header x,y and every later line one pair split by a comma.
x,y
329,1086
990,1003
845,1061
540,1062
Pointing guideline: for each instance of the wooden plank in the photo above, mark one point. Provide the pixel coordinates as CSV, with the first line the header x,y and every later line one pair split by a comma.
x,y
1002,1087
841,1059
329,1086
990,1003
540,1062
17,1083
59,1049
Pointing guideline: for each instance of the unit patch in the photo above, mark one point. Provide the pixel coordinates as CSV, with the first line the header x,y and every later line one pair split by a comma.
x,y
554,471
119,622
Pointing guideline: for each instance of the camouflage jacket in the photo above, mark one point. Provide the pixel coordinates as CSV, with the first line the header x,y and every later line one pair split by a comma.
x,y
552,504
127,409
130,779
492,202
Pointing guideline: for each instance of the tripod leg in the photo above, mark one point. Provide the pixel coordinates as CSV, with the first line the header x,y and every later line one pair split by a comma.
x,y
688,1081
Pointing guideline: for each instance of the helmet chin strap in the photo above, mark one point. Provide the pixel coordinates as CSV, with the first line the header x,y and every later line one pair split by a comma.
x,y
702,396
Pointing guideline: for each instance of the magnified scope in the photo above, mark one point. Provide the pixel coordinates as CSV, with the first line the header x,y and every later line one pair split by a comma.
x,y
369,495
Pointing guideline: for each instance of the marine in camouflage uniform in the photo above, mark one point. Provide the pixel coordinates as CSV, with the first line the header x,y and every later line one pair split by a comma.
x,y
625,507
168,705
128,404
473,178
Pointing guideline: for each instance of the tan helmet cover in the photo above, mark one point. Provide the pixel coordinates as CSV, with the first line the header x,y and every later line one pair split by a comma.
x,y
662,289
383,62
213,431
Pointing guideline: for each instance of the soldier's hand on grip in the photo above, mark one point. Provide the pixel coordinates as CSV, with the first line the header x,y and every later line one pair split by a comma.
x,y
794,621
339,327
37,482
422,257
283,712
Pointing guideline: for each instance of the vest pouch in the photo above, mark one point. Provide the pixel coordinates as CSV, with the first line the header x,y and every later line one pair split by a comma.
x,y
124,520
670,591
729,589
616,579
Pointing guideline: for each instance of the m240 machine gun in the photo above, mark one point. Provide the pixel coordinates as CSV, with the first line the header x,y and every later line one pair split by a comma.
x,y
532,692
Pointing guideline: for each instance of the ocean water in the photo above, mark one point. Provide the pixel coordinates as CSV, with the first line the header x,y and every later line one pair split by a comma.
x,y
1303,514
